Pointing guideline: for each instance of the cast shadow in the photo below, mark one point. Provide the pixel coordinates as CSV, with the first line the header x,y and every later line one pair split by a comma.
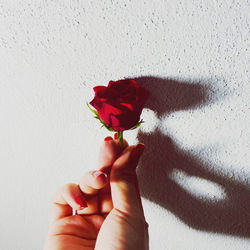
x,y
229,216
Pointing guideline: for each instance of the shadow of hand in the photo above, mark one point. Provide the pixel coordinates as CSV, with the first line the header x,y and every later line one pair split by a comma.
x,y
229,215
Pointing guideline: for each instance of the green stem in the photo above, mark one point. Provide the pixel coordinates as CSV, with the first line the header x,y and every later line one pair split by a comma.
x,y
120,138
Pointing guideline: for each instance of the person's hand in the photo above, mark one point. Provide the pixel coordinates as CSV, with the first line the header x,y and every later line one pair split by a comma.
x,y
108,204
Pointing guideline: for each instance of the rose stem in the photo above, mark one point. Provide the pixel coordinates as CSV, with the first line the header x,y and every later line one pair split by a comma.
x,y
120,138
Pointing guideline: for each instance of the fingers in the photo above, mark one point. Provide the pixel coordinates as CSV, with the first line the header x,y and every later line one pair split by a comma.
x,y
90,184
92,181
66,198
109,152
81,197
92,195
123,180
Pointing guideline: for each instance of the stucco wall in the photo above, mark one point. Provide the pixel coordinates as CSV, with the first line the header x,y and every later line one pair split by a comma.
x,y
191,55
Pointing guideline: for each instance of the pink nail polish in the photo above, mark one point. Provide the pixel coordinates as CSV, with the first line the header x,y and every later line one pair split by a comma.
x,y
81,201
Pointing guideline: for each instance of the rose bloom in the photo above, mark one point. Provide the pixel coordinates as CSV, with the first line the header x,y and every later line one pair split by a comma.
x,y
120,104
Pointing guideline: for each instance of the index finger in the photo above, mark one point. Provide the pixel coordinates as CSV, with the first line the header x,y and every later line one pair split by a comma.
x,y
109,152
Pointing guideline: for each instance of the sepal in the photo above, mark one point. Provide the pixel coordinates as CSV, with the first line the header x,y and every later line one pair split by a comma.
x,y
98,118
137,125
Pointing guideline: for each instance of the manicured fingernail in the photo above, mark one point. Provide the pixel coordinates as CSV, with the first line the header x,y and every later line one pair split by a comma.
x,y
116,136
81,201
101,175
137,151
108,138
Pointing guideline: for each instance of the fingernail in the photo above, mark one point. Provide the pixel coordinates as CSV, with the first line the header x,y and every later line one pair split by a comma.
x,y
137,151
116,136
108,138
101,175
81,201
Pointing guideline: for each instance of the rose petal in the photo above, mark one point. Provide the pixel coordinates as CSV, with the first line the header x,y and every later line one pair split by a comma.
x,y
100,91
127,105
120,104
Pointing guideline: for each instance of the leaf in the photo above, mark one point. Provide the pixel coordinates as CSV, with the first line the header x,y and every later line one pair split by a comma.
x,y
105,125
92,110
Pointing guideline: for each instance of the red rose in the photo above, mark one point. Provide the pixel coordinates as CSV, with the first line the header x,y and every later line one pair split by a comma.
x,y
120,104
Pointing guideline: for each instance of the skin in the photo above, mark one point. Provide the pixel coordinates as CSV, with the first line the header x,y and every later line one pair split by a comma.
x,y
113,218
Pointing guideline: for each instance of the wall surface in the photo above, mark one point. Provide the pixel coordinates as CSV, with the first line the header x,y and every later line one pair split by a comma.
x,y
191,55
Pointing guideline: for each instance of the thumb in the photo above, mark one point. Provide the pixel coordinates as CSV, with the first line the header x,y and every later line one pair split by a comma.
x,y
123,180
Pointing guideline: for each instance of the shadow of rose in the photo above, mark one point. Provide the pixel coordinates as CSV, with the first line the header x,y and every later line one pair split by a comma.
x,y
228,216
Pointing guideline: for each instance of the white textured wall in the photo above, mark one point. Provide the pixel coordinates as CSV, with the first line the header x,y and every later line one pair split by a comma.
x,y
192,56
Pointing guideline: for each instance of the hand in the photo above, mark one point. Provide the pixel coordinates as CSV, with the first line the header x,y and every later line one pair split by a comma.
x,y
108,204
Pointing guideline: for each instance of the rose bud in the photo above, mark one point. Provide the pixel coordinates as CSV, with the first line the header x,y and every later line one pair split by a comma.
x,y
119,105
